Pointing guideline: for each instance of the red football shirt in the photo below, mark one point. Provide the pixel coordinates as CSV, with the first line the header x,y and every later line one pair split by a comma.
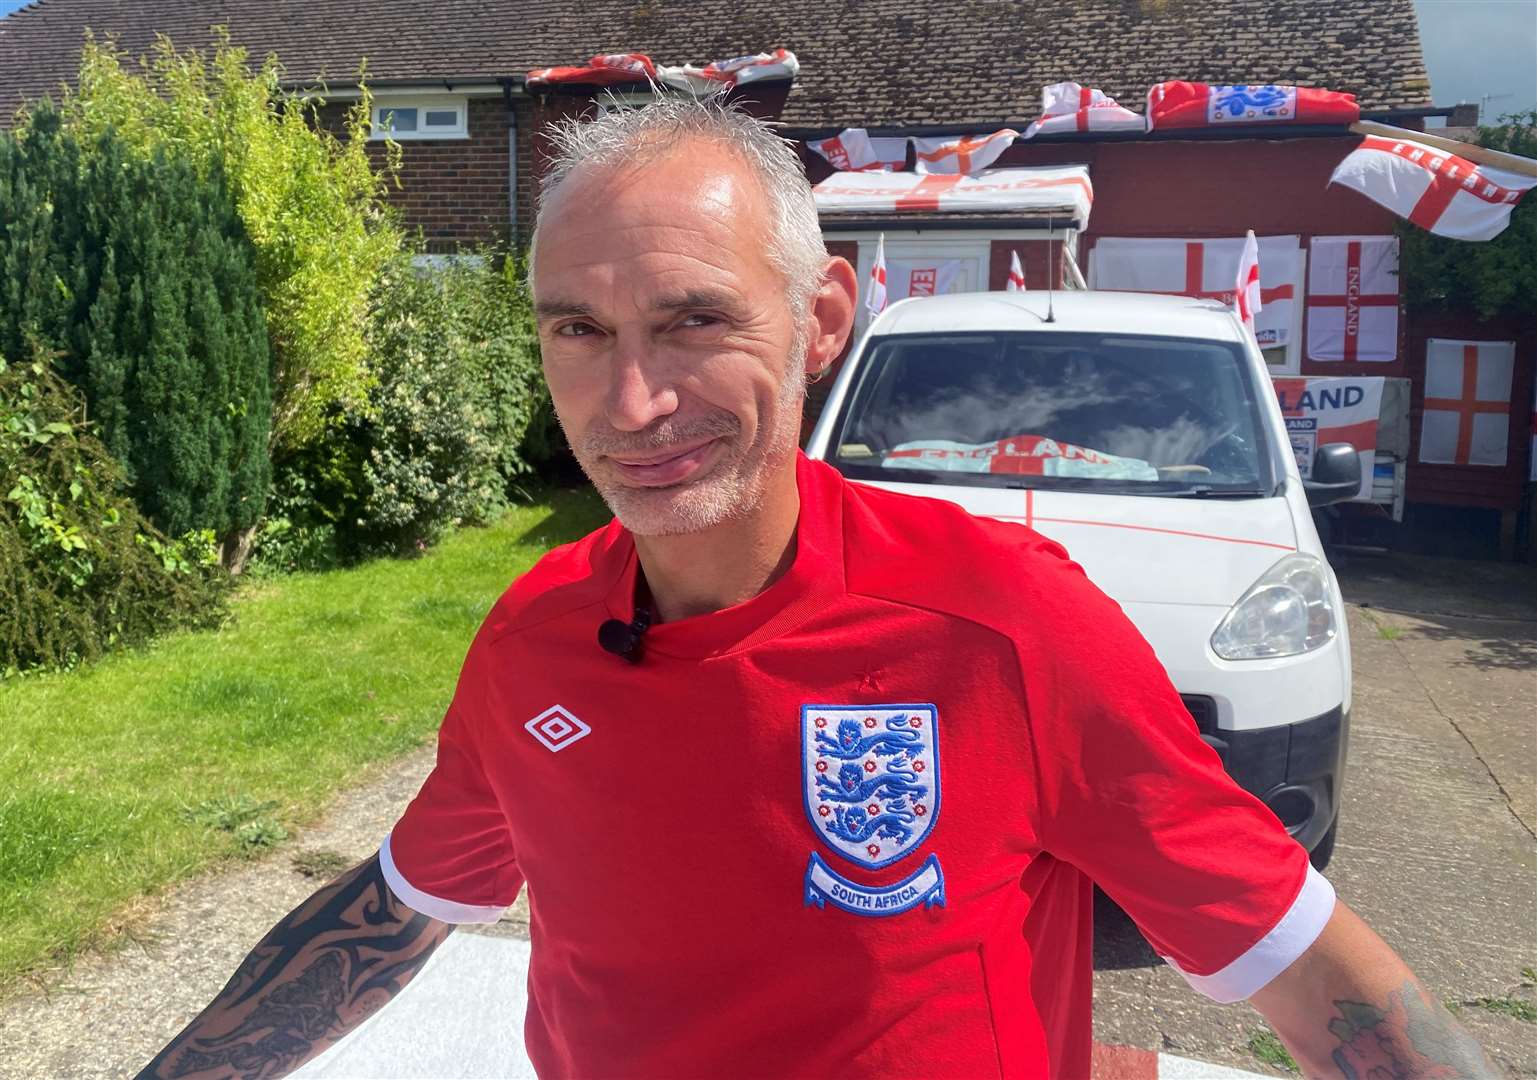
x,y
847,827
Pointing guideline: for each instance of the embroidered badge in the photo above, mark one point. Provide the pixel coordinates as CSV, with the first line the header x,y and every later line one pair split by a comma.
x,y
556,728
870,776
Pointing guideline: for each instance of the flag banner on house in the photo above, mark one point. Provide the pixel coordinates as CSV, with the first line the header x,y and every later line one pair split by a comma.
x,y
738,71
1061,192
1196,105
926,277
1206,269
1067,106
964,154
1436,190
852,150
607,69
1352,303
1325,409
1467,402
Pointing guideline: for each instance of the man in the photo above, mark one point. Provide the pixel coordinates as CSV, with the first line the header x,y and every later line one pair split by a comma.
x,y
804,778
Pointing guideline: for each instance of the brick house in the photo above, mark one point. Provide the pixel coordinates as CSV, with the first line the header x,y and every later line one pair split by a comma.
x,y
456,73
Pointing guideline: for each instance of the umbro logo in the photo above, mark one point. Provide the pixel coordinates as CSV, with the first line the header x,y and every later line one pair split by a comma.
x,y
556,728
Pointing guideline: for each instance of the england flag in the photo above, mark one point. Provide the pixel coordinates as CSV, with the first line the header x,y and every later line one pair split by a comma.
x,y
1194,105
875,295
852,150
1246,298
1016,274
966,154
1434,189
1067,106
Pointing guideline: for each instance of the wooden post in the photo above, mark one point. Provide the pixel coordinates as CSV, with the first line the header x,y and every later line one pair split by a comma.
x,y
1481,155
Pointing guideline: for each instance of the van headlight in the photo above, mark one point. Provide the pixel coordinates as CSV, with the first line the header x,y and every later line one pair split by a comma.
x,y
1289,610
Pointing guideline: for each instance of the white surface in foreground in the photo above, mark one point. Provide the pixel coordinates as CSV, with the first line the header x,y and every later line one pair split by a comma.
x,y
461,1017
1178,1068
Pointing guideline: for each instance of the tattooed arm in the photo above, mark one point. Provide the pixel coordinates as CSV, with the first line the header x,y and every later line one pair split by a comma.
x,y
1349,1007
325,968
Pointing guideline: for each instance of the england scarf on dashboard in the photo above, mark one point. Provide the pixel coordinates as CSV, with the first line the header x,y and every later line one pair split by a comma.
x,y
965,155
1467,402
852,150
1434,189
1067,106
1193,105
1352,303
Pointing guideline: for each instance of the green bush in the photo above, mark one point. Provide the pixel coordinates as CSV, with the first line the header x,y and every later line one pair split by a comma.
x,y
80,569
458,416
139,277
312,203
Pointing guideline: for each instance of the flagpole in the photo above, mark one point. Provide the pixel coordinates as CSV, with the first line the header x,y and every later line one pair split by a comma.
x,y
1481,154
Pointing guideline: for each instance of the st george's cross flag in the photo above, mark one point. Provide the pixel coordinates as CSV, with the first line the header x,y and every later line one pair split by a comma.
x,y
1016,281
853,150
1247,297
965,154
1197,105
737,71
1067,106
607,69
1467,402
1434,189
1207,269
875,293
1352,305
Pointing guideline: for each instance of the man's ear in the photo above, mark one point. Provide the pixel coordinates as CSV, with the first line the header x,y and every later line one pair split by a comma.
x,y
831,318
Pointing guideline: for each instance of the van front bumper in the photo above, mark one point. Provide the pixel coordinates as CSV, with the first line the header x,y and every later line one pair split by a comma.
x,y
1295,769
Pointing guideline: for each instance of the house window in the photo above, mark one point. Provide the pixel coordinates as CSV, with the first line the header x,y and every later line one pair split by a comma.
x,y
420,118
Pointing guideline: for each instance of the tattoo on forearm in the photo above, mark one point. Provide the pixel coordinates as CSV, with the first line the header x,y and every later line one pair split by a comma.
x,y
1412,1036
321,971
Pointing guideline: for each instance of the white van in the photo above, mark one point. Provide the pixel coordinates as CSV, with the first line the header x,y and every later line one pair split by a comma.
x,y
1143,434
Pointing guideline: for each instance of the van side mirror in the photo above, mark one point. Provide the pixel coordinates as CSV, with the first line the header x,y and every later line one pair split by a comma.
x,y
1336,474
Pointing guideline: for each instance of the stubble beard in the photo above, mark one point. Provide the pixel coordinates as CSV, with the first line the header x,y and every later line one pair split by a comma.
x,y
736,483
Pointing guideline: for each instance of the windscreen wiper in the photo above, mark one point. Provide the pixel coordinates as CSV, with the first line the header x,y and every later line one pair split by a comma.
x,y
1208,491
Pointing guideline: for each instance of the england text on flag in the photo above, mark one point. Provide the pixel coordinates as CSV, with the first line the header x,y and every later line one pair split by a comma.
x,y
1067,106
1247,298
853,150
1467,402
1436,190
966,154
1192,105
1352,306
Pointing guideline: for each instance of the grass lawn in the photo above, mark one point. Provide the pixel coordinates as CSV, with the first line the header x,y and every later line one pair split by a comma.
x,y
114,778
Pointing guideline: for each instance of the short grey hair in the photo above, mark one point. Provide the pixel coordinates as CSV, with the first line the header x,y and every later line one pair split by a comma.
x,y
627,135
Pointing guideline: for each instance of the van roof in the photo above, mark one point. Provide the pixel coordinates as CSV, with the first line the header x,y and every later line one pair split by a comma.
x,y
1075,311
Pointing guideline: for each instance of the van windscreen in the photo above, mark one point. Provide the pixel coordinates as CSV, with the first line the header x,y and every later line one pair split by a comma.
x,y
1097,412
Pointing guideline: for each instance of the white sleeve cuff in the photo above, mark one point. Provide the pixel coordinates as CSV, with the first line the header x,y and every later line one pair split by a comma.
x,y
436,907
1274,952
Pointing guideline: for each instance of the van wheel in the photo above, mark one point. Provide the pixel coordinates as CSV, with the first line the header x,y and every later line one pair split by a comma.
x,y
1323,851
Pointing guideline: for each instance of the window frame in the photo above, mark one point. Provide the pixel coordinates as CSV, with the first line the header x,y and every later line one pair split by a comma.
x,y
422,103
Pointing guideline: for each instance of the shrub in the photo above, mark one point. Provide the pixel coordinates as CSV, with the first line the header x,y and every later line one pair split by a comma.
x,y
138,274
311,203
80,569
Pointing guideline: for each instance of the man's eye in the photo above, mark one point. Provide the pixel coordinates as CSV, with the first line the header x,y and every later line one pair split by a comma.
x,y
699,320
578,329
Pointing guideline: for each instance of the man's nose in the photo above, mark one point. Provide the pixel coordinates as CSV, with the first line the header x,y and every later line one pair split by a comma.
x,y
640,390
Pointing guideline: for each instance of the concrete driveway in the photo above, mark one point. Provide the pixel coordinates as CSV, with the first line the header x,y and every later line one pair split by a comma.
x,y
1436,847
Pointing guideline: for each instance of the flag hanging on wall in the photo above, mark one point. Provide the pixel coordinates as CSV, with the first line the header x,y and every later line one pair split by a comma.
x,y
1434,189
1467,402
1194,105
1352,304
852,150
926,277
1016,274
1067,106
965,154
1206,269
